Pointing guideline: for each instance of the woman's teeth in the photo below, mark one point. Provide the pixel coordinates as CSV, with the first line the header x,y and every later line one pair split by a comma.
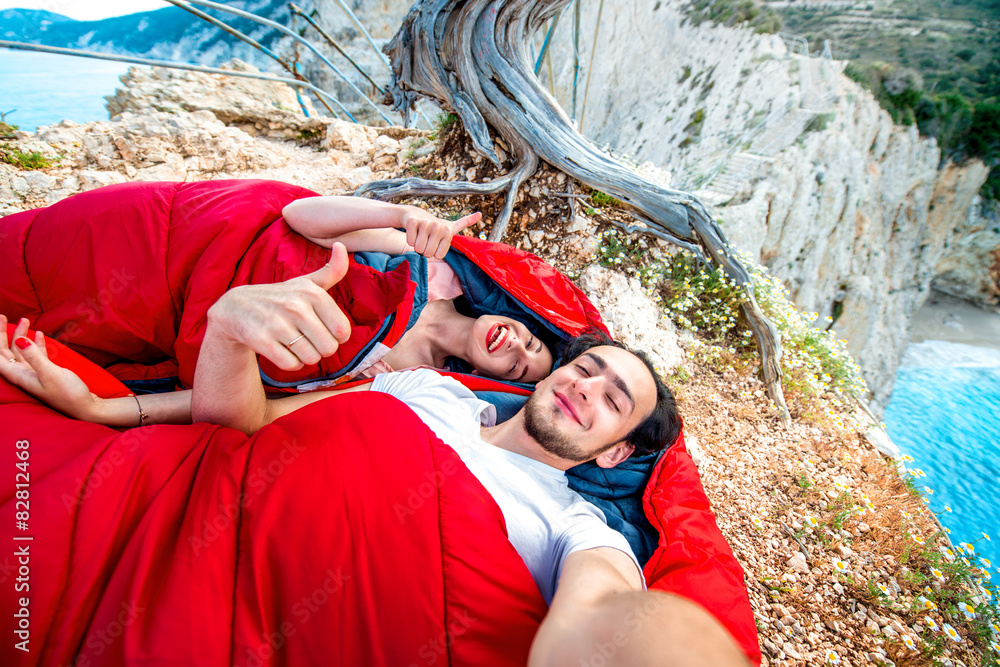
x,y
497,338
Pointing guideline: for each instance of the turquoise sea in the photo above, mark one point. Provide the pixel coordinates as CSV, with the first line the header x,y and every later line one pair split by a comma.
x,y
44,88
945,413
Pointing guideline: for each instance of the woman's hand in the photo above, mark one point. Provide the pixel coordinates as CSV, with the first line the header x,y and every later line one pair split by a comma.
x,y
431,236
26,365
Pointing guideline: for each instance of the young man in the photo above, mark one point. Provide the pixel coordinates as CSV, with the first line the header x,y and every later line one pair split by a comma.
x,y
598,406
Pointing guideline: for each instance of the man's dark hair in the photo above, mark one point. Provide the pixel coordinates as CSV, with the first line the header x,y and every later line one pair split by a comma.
x,y
657,431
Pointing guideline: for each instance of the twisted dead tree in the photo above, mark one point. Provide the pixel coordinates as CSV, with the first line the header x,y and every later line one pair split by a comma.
x,y
470,57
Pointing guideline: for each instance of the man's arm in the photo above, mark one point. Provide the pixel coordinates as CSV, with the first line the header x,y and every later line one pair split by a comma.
x,y
601,615
291,323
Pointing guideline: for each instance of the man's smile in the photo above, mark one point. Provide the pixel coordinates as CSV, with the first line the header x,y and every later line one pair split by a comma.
x,y
567,407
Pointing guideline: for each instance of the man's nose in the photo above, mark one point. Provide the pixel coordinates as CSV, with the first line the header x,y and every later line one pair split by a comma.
x,y
587,386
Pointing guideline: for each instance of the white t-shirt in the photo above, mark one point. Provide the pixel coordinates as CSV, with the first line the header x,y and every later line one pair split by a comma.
x,y
546,520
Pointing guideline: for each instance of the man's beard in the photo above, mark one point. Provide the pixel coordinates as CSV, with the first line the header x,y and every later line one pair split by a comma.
x,y
540,427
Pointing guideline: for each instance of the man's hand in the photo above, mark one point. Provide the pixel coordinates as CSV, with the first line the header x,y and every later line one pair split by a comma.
x,y
292,323
431,236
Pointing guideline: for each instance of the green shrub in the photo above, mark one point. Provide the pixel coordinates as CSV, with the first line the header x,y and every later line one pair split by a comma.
x,y
734,12
25,160
602,199
820,122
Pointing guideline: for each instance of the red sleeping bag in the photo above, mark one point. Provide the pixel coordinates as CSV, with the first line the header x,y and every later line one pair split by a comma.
x,y
196,544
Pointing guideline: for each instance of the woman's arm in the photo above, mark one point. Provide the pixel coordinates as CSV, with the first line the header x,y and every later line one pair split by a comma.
x,y
291,323
26,364
366,224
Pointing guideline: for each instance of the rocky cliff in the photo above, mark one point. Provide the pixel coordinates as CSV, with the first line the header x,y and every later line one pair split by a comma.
x,y
856,215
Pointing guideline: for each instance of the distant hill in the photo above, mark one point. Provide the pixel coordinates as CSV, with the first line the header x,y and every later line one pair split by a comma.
x,y
27,24
169,34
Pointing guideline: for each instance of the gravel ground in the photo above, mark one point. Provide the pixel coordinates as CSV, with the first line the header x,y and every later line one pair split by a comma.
x,y
767,483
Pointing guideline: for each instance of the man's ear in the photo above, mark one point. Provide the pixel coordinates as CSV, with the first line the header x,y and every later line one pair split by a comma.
x,y
615,454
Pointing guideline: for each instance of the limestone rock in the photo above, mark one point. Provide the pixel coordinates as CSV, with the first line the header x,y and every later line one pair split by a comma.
x,y
628,311
798,563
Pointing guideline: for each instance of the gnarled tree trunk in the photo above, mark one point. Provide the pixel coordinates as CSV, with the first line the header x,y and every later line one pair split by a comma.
x,y
470,56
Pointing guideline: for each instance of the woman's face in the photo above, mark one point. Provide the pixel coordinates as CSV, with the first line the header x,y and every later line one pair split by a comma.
x,y
504,349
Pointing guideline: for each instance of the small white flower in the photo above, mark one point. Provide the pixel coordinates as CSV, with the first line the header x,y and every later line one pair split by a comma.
x,y
883,588
986,537
968,610
839,565
757,522
985,561
967,547
937,574
951,632
908,640
926,604
948,553
932,624
812,522
832,658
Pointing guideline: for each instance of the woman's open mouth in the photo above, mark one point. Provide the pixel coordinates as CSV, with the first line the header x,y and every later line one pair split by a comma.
x,y
496,337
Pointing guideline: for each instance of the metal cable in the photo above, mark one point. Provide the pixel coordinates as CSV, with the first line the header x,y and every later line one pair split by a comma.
x,y
305,42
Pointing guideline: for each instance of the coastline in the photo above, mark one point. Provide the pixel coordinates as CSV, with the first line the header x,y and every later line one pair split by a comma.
x,y
953,320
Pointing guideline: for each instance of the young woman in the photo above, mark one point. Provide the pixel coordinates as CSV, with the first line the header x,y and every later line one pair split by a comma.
x,y
494,346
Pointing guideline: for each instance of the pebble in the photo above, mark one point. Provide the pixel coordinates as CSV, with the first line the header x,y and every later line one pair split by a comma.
x,y
798,563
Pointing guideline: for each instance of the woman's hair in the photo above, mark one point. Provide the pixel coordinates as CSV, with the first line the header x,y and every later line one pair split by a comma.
x,y
657,431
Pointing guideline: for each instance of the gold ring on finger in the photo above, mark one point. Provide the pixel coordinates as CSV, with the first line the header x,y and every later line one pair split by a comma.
x,y
301,336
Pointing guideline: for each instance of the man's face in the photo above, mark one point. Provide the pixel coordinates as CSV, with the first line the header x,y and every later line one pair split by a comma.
x,y
590,404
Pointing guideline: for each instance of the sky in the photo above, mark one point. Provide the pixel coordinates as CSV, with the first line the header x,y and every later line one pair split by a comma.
x,y
87,10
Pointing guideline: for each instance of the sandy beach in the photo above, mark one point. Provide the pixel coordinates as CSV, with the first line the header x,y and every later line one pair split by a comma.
x,y
953,320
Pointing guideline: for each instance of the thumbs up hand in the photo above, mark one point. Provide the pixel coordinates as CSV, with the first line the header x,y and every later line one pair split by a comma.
x,y
293,323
